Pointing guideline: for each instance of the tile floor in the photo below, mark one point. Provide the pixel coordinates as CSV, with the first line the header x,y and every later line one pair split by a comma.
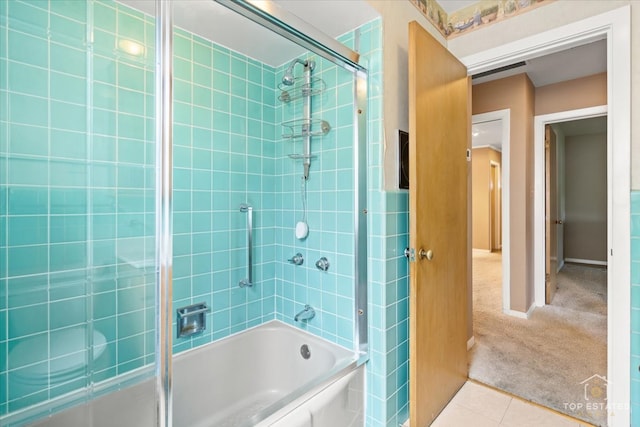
x,y
479,406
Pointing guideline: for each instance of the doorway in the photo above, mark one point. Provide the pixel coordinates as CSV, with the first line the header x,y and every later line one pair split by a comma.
x,y
611,25
566,339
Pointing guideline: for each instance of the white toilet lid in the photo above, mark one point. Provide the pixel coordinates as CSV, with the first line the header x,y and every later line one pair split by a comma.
x,y
68,350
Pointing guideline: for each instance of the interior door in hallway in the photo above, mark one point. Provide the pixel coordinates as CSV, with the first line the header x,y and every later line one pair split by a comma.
x,y
551,214
439,137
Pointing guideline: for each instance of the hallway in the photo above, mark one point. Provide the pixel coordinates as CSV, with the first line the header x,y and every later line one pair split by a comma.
x,y
557,358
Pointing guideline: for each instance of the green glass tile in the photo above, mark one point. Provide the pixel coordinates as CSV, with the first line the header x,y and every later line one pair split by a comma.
x,y
68,60
238,106
221,101
27,230
182,113
182,46
67,312
104,42
254,72
182,69
238,68
28,140
26,18
130,126
130,324
238,86
221,59
130,348
28,172
67,173
131,101
27,320
103,122
67,31
202,117
28,110
70,8
130,176
68,228
130,27
130,77
181,91
202,75
202,97
221,81
202,54
70,145
104,69
68,256
68,88
68,116
104,17
27,79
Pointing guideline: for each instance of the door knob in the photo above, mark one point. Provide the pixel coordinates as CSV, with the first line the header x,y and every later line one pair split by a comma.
x,y
426,254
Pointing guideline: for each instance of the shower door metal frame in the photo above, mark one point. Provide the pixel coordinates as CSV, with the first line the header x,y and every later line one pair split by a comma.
x,y
271,16
164,212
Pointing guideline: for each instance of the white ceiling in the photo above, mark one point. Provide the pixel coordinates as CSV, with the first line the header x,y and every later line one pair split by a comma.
x,y
487,134
569,64
215,22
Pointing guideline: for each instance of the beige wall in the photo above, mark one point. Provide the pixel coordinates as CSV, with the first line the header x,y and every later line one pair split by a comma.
x,y
517,94
554,15
590,91
396,16
585,227
481,159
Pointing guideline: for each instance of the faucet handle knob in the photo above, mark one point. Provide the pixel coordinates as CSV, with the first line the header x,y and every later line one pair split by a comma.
x,y
322,264
297,259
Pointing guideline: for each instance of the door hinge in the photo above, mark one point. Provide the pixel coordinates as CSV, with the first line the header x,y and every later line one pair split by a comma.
x,y
410,254
468,154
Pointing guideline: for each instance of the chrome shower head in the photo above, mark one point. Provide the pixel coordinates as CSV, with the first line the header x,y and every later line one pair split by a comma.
x,y
288,78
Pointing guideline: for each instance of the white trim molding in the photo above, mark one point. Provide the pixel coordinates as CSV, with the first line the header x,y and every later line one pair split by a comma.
x,y
505,116
585,261
615,27
539,188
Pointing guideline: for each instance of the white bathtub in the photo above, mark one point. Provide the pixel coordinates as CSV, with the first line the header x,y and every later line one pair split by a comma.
x,y
241,380
255,378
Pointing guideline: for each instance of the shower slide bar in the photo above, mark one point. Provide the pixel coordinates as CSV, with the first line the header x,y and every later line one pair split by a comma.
x,y
248,281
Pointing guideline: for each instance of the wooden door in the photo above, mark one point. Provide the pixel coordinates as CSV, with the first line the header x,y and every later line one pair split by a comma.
x,y
495,209
439,137
551,214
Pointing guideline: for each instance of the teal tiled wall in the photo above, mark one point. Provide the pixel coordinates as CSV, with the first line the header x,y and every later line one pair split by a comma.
x,y
635,308
223,157
330,196
76,195
77,178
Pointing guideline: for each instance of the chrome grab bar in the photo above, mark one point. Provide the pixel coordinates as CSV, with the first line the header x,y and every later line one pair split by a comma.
x,y
248,281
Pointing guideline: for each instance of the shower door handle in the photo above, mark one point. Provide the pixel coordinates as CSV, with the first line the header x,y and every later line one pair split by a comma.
x,y
248,281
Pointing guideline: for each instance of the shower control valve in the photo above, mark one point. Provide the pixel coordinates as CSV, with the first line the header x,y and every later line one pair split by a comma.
x,y
322,264
297,259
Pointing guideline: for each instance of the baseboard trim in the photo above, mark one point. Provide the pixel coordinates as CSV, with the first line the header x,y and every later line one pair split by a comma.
x,y
470,343
520,314
585,261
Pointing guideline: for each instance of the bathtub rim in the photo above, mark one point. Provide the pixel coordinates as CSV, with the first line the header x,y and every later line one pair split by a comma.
x,y
341,367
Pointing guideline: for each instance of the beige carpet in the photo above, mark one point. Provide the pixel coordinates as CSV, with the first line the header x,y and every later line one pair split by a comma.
x,y
546,358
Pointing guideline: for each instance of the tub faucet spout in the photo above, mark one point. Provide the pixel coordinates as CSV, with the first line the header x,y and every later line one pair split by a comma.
x,y
307,314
